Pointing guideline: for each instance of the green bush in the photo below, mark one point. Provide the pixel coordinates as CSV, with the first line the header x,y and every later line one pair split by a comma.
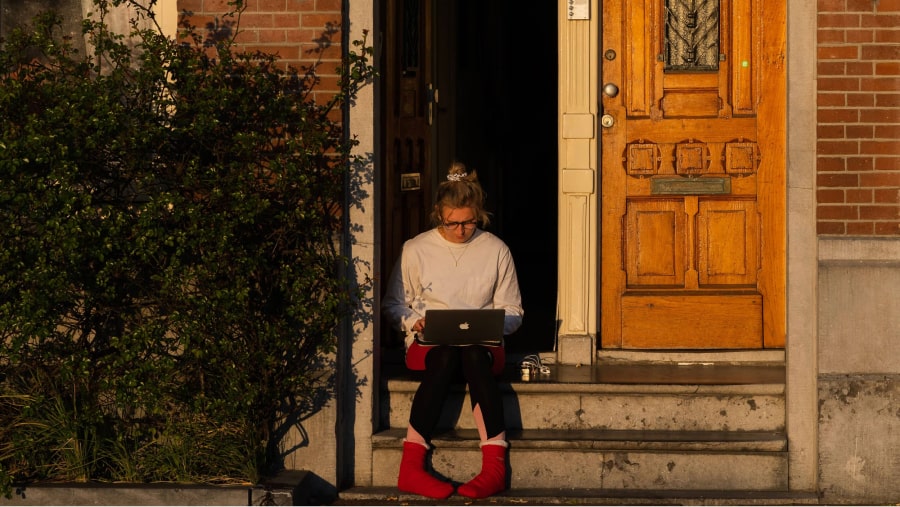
x,y
171,273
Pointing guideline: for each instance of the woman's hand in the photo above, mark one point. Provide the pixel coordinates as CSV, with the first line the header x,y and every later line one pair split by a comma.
x,y
419,325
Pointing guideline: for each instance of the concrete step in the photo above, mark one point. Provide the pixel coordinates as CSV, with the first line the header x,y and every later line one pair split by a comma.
x,y
387,495
629,396
603,459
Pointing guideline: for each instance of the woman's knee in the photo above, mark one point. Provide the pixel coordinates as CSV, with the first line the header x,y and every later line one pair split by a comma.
x,y
475,355
442,358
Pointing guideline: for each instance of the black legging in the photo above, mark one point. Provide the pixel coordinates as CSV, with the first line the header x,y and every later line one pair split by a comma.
x,y
442,367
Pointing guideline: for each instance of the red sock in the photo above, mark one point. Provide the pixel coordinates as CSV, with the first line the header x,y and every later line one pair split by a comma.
x,y
413,477
492,478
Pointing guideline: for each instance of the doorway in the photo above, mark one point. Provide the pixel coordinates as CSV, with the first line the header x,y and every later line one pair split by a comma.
x,y
476,82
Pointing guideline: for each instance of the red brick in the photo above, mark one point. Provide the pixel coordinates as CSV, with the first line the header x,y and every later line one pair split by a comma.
x,y
268,6
829,227
879,115
880,52
887,164
217,6
860,164
861,228
860,99
830,132
859,195
829,196
830,147
887,100
880,20
837,180
250,20
301,5
247,37
888,5
288,20
272,36
835,35
831,68
859,36
832,99
838,52
860,68
837,212
190,5
838,20
879,147
887,36
831,164
860,131
879,212
850,84
838,115
887,68
887,195
860,6
889,132
831,6
317,20
887,228
879,179
328,5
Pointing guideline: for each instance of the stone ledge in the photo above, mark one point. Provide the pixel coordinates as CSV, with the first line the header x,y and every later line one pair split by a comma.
x,y
290,487
377,495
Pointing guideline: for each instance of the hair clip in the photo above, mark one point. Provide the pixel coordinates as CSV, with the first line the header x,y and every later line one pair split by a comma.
x,y
456,177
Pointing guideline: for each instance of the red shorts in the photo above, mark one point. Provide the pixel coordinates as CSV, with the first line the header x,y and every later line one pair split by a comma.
x,y
415,357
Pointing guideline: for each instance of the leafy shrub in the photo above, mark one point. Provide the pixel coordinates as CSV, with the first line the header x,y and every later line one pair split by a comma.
x,y
171,275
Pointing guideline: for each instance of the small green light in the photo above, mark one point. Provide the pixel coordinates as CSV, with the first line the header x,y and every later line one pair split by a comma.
x,y
745,63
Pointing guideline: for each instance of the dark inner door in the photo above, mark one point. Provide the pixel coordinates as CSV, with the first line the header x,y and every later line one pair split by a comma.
x,y
496,71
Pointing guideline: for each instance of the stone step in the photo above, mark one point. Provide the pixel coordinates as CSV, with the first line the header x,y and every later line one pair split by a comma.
x,y
603,459
632,397
387,495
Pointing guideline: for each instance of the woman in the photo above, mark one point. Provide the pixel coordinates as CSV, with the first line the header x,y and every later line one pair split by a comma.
x,y
454,265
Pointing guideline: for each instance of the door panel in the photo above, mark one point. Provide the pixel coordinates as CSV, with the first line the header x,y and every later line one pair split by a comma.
x,y
408,173
692,239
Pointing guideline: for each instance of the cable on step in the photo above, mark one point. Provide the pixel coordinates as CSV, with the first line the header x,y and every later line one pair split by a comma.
x,y
531,365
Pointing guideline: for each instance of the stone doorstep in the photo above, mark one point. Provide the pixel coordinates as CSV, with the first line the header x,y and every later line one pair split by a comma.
x,y
385,495
608,440
748,402
611,459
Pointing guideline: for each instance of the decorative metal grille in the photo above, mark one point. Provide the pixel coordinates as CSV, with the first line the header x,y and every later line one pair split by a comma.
x,y
692,35
410,41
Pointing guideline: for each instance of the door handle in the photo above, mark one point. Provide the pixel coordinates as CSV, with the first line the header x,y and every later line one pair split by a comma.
x,y
433,98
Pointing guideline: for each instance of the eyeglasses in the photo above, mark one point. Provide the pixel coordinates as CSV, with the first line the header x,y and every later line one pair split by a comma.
x,y
467,225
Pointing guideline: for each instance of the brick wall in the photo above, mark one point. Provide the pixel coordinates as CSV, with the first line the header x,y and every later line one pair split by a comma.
x,y
858,126
300,32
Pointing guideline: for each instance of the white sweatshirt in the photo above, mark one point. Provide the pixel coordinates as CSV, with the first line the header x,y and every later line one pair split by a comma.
x,y
434,273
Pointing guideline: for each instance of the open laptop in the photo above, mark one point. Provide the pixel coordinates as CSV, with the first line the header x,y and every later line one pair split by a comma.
x,y
463,327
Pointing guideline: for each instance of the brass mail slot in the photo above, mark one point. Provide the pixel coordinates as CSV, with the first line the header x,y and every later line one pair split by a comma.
x,y
690,186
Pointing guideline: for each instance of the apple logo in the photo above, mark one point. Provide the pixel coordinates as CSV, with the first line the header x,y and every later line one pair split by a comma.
x,y
464,326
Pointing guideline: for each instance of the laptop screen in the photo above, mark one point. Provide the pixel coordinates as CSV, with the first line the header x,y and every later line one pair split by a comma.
x,y
464,327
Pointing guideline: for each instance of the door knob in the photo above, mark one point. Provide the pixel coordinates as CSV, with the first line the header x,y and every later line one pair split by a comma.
x,y
610,90
607,120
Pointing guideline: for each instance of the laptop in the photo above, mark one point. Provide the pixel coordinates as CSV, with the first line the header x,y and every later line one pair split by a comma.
x,y
464,327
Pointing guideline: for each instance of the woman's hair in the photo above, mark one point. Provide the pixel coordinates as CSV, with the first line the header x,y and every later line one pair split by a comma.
x,y
460,190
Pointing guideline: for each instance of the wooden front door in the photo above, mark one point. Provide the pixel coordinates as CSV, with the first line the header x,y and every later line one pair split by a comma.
x,y
693,176
409,113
